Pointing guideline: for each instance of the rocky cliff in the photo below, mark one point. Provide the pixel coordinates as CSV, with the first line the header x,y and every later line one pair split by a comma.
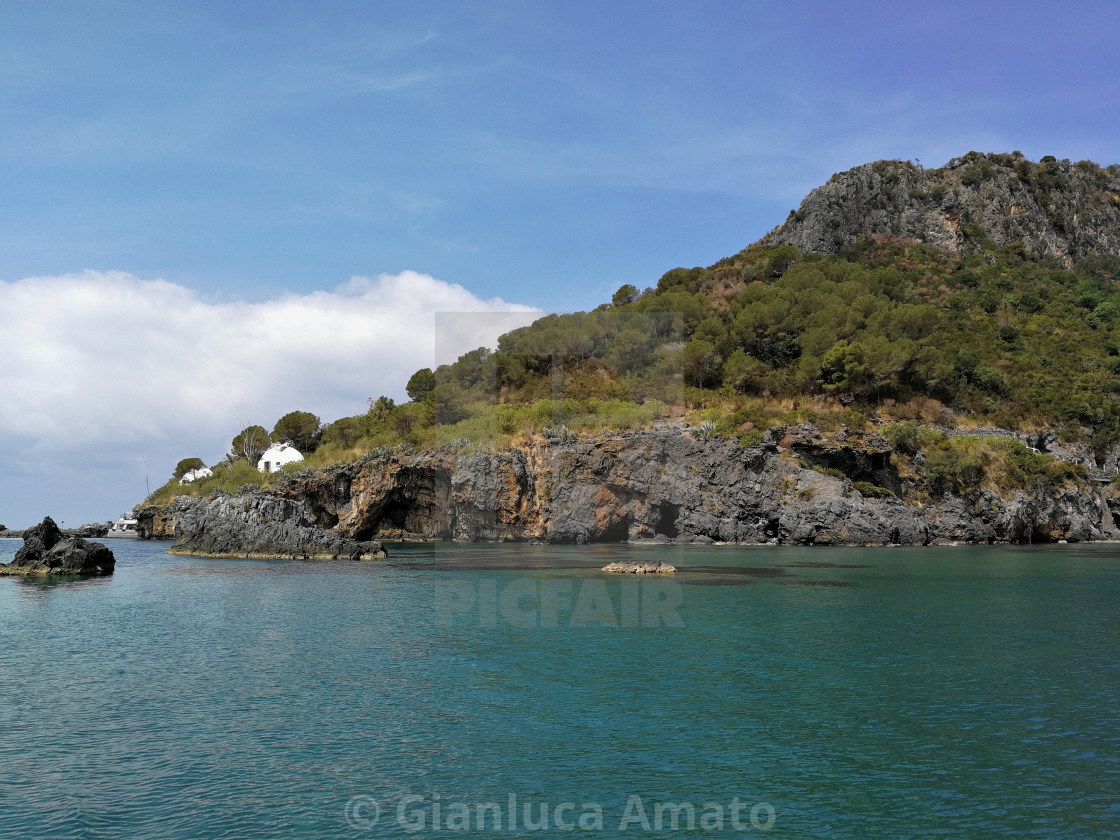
x,y
1056,208
661,484
256,525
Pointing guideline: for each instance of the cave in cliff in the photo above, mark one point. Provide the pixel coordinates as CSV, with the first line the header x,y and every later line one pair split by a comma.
x,y
616,531
666,524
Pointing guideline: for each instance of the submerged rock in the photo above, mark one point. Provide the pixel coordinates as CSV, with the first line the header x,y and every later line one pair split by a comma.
x,y
47,551
640,567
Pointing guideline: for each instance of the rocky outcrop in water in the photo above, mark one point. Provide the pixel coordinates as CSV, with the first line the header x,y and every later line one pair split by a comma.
x,y
258,526
640,567
48,552
1056,208
660,484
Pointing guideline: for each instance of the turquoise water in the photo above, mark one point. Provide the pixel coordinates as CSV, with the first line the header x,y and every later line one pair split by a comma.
x,y
958,692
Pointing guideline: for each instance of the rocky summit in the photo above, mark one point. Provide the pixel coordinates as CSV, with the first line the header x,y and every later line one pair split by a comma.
x,y
1052,208
48,552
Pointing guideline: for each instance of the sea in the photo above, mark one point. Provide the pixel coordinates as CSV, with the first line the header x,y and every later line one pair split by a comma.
x,y
518,691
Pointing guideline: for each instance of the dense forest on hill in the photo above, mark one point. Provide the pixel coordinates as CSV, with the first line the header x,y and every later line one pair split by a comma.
x,y
888,331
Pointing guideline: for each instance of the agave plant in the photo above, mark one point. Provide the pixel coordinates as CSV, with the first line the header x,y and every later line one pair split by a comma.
x,y
705,430
561,434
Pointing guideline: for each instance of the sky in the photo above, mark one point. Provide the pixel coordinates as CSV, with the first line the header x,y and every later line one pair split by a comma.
x,y
213,213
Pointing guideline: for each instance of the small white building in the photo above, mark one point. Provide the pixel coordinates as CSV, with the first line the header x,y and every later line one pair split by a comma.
x,y
277,456
191,476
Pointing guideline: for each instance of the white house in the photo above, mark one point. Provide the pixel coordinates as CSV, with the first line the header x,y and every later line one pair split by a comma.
x,y
191,476
277,456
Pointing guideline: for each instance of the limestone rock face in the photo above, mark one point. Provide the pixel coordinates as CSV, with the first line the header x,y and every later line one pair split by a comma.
x,y
662,484
1056,208
436,495
659,485
156,522
48,552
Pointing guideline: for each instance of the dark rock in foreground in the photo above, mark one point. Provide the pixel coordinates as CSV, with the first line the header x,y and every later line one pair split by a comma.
x,y
48,552
259,526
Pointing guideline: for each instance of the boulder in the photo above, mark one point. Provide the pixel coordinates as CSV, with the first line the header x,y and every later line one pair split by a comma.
x,y
47,551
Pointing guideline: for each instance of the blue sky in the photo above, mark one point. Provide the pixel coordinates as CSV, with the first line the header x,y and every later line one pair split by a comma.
x,y
249,155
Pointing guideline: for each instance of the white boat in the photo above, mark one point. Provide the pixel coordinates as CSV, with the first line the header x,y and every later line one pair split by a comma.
x,y
124,528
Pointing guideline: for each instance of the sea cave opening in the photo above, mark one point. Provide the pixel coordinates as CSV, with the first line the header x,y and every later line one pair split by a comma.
x,y
667,516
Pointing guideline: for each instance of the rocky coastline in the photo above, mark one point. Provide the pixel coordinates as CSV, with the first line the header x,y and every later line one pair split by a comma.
x,y
662,484
257,526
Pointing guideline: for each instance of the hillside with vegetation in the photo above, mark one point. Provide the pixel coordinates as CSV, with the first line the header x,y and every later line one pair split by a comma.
x,y
877,334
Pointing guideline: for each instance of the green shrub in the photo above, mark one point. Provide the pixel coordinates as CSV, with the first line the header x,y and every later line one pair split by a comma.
x,y
948,470
854,420
867,489
1018,467
903,437
929,438
989,379
231,478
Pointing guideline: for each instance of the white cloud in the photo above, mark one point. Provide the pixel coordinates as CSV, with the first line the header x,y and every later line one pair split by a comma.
x,y
102,362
